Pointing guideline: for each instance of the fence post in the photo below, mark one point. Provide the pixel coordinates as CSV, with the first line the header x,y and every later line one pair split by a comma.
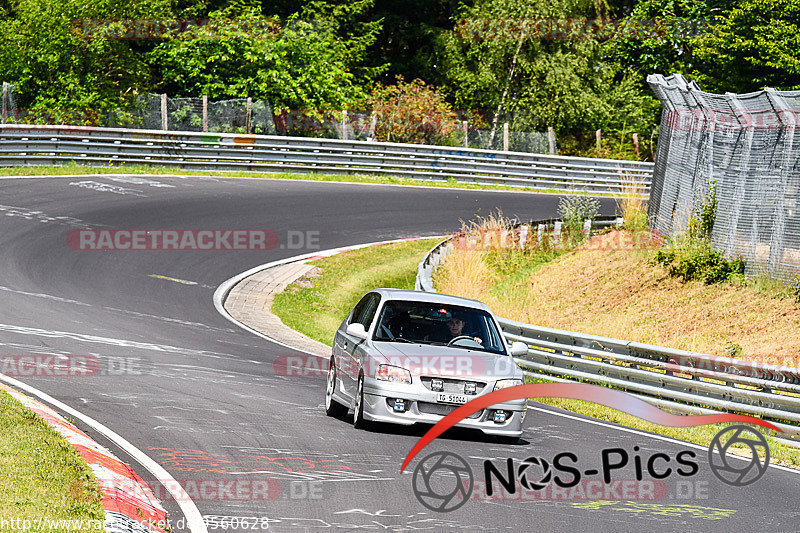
x,y
164,124
344,124
557,231
551,139
505,136
587,227
598,137
5,100
248,115
465,125
373,126
636,143
205,113
540,233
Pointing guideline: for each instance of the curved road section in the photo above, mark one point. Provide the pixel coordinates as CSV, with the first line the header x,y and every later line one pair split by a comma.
x,y
148,356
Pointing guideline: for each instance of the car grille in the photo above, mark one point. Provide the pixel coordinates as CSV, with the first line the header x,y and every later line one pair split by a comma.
x,y
454,386
442,410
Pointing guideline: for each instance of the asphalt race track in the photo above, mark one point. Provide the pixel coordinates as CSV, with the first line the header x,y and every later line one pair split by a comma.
x,y
201,397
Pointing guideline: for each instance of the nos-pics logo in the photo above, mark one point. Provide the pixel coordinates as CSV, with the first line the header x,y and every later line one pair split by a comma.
x,y
443,481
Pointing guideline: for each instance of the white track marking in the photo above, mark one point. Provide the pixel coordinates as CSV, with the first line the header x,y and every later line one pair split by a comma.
x,y
649,435
188,508
23,330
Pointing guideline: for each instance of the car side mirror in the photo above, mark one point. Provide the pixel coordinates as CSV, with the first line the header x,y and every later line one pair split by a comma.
x,y
357,330
518,349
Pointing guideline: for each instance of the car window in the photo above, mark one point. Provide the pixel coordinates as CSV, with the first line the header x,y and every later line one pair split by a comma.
x,y
364,311
359,309
430,323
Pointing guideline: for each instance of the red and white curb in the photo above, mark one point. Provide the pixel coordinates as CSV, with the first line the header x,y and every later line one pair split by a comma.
x,y
128,502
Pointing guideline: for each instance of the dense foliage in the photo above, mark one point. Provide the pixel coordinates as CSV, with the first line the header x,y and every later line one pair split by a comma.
x,y
574,65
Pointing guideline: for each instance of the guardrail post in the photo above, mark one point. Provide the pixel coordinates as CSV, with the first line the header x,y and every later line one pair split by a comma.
x,y
205,113
164,124
5,100
248,115
523,236
505,136
465,125
551,139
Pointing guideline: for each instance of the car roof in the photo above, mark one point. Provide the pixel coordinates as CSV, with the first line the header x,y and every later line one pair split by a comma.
x,y
433,297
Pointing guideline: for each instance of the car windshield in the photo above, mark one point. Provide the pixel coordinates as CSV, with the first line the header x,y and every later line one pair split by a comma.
x,y
437,324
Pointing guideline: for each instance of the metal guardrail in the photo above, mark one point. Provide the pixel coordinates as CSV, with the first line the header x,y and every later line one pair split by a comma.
x,y
22,145
687,381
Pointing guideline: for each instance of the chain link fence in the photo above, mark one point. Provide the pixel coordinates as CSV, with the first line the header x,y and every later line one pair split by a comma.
x,y
242,115
745,147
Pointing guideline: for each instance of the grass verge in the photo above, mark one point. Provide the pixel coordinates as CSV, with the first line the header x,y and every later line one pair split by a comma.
x,y
348,178
41,474
316,305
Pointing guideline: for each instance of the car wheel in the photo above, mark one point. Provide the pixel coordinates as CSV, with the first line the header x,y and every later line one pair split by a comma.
x,y
358,415
332,407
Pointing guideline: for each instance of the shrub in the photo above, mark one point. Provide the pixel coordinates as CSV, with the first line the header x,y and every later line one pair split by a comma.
x,y
696,260
413,112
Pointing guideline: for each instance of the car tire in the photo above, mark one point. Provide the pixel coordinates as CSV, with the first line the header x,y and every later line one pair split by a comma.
x,y
332,407
358,413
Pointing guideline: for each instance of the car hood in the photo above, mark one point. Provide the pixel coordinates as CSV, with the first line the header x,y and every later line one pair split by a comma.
x,y
444,361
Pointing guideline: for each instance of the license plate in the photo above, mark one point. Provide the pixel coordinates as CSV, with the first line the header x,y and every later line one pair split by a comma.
x,y
451,398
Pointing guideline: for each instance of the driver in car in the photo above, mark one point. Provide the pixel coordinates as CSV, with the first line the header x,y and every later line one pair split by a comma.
x,y
455,325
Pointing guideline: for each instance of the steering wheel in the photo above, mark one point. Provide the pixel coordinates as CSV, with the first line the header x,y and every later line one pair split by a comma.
x,y
460,338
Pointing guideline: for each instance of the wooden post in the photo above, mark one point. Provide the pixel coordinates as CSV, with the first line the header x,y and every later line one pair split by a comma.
x,y
205,113
465,125
164,123
598,137
248,115
505,136
344,124
636,143
5,100
551,139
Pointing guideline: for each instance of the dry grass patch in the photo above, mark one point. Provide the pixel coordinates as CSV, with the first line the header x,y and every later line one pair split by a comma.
x,y
615,293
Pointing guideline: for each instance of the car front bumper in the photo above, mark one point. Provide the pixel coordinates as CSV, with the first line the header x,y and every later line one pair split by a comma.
x,y
421,407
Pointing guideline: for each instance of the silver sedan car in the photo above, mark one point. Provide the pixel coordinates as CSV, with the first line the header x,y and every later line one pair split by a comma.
x,y
408,357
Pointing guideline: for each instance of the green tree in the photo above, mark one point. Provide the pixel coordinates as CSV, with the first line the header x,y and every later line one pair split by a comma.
x,y
59,59
311,60
540,76
754,44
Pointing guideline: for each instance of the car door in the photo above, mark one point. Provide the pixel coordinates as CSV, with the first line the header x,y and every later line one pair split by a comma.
x,y
354,350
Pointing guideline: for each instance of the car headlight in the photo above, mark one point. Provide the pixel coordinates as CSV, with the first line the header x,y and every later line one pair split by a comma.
x,y
395,374
506,383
